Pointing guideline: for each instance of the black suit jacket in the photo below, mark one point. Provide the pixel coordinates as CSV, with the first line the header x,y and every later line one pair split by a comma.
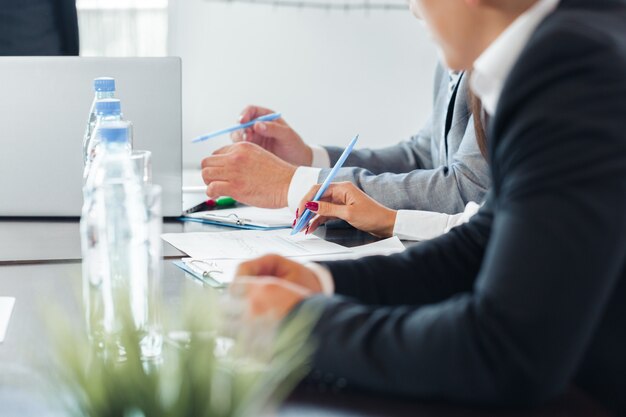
x,y
530,296
38,27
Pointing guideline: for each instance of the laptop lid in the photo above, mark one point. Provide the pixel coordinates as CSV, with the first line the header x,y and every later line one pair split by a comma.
x,y
44,107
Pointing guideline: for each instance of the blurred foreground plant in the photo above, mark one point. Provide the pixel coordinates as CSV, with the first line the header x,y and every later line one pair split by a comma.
x,y
215,363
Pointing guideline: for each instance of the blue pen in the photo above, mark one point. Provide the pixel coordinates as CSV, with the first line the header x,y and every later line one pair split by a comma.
x,y
266,118
307,214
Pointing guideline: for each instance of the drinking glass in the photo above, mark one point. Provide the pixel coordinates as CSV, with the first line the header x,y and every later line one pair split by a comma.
x,y
142,163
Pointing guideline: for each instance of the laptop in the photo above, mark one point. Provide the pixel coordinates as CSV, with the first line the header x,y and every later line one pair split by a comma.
x,y
44,107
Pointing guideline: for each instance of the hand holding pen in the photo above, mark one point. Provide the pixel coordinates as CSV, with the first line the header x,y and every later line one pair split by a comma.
x,y
275,136
307,215
241,126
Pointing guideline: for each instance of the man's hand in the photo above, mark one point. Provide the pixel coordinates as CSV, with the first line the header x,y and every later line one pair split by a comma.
x,y
283,268
276,137
343,200
249,174
273,285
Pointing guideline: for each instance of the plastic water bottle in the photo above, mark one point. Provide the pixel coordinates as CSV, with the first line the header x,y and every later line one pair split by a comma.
x,y
106,110
94,236
104,87
115,240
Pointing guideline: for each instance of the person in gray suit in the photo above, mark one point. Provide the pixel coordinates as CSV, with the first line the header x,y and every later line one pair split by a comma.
x,y
440,169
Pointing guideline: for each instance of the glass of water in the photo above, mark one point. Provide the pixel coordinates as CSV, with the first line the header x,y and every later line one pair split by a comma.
x,y
142,163
152,334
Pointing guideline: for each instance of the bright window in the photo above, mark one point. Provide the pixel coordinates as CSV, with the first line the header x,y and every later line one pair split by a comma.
x,y
122,27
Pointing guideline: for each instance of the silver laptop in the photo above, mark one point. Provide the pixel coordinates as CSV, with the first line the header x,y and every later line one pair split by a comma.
x,y
44,106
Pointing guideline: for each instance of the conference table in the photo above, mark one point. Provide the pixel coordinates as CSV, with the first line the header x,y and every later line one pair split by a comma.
x,y
40,265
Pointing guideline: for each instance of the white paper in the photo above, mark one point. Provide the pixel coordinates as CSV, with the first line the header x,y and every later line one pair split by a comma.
x,y
223,270
249,215
247,244
6,307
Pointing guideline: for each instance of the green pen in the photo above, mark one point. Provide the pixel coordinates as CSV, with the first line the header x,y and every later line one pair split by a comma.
x,y
220,202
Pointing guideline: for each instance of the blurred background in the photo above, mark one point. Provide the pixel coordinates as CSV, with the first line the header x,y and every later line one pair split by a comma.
x,y
334,68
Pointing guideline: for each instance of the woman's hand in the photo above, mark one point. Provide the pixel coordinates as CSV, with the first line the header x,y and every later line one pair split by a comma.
x,y
345,201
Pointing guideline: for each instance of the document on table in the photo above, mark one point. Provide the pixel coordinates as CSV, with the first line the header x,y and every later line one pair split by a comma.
x,y
248,244
245,217
6,307
222,271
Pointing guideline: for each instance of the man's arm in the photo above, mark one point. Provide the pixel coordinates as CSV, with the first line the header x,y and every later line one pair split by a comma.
x,y
554,255
405,156
445,189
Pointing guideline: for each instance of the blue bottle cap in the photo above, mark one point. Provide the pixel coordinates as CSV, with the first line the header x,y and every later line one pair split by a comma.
x,y
104,84
108,107
114,132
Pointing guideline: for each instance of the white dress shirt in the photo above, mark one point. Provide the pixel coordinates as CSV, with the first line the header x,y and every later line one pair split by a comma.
x,y
410,224
494,65
491,70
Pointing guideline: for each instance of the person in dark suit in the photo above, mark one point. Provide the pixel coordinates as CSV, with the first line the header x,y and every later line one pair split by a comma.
x,y
529,297
38,27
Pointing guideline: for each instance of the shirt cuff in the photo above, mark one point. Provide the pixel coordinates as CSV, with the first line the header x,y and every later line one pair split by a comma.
x,y
321,159
324,276
419,225
424,225
303,179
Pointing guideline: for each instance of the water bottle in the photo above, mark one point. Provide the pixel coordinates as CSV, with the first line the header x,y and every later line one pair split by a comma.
x,y
94,237
106,110
115,240
104,87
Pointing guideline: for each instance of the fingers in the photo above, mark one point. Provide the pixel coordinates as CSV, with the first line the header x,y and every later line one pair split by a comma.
x,y
327,209
213,161
274,130
210,174
315,223
252,112
238,135
217,188
265,265
269,296
307,197
223,150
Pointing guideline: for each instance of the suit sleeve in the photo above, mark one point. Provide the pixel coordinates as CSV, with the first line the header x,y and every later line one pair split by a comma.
x,y
405,181
405,156
500,310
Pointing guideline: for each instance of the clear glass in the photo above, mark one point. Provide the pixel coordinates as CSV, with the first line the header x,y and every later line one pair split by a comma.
x,y
152,334
142,163
121,237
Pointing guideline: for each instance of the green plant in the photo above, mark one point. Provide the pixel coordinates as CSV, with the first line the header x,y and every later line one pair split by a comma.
x,y
218,365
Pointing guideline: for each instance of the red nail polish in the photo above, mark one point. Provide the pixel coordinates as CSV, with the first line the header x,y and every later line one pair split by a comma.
x,y
294,222
312,205
297,212
306,232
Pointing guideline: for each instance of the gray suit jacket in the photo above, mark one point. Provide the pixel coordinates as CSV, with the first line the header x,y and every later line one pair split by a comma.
x,y
428,171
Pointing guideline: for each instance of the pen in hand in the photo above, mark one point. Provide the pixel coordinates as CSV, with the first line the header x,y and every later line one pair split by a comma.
x,y
267,118
307,214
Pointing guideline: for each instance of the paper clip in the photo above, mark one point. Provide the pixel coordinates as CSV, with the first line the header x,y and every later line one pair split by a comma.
x,y
231,218
206,273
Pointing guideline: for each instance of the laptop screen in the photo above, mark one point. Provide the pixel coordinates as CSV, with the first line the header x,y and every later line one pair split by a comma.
x,y
44,108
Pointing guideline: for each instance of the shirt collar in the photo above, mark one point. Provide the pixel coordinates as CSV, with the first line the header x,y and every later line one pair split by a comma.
x,y
494,65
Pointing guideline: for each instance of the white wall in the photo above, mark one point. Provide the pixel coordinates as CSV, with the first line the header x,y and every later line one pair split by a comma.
x,y
331,74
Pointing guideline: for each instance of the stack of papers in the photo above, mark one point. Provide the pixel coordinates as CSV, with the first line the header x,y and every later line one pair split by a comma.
x,y
248,244
216,256
245,217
